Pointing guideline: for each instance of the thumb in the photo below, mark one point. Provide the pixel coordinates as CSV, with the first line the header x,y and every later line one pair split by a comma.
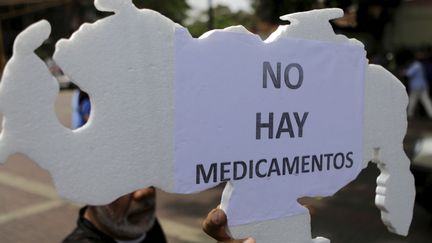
x,y
248,240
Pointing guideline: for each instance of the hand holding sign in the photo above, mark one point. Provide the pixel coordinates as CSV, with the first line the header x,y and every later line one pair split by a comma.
x,y
285,117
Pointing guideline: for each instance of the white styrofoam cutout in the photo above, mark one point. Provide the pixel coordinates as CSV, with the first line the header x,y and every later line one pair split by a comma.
x,y
127,143
126,64
395,190
385,128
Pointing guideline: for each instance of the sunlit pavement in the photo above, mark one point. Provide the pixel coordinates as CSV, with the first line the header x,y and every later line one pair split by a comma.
x,y
30,210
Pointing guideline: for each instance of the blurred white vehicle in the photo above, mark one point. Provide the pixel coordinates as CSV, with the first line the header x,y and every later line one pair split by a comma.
x,y
423,153
422,170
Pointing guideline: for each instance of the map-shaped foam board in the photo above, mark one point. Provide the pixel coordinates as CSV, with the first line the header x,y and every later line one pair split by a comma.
x,y
299,114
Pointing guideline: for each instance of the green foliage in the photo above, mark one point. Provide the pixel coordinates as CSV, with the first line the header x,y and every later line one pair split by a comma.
x,y
223,17
270,11
176,10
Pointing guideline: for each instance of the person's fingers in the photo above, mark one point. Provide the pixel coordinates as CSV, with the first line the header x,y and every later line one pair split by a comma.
x,y
215,225
248,240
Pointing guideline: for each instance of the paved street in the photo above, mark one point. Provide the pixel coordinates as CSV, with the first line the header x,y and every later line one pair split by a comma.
x,y
30,210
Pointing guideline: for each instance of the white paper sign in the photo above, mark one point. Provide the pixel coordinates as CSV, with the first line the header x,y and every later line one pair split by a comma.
x,y
281,117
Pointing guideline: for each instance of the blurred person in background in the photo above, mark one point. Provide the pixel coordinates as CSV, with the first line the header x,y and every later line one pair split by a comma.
x,y
418,86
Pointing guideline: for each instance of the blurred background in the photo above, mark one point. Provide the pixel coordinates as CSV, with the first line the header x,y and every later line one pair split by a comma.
x,y
393,31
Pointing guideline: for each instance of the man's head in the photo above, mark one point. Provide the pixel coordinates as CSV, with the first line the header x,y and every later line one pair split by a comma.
x,y
128,217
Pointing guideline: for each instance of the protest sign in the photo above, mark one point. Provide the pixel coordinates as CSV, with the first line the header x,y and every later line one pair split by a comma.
x,y
299,114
